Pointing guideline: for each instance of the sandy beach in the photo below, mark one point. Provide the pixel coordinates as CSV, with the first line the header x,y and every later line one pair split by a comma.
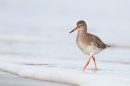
x,y
8,79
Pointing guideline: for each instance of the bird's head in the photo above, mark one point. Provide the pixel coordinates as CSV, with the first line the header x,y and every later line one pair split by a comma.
x,y
81,25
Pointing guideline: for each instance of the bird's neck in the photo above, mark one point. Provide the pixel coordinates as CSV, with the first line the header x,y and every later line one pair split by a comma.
x,y
81,33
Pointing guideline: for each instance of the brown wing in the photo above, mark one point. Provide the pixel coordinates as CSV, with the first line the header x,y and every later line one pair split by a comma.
x,y
97,41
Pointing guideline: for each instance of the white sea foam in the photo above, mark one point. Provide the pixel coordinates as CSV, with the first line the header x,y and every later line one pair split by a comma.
x,y
107,19
28,61
64,76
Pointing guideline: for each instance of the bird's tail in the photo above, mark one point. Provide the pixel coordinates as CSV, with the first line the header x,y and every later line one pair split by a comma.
x,y
108,46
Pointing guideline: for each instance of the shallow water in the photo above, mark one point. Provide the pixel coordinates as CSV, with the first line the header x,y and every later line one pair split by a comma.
x,y
31,59
35,41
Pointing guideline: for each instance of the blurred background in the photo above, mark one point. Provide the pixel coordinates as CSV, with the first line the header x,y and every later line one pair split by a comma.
x,y
35,34
43,26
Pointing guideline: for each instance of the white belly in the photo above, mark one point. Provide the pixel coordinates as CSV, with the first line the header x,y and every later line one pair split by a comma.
x,y
88,49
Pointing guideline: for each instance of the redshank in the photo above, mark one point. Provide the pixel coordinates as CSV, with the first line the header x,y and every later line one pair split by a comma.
x,y
88,43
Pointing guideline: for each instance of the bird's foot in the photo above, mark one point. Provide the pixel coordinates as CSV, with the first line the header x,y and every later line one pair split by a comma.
x,y
96,68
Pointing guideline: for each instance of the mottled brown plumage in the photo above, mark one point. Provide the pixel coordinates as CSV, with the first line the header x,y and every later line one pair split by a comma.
x,y
80,22
88,43
90,39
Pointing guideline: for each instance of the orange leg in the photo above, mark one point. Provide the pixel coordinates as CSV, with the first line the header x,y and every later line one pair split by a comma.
x,y
94,62
87,63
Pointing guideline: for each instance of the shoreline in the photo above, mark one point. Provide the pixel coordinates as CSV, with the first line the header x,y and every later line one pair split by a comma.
x,y
7,79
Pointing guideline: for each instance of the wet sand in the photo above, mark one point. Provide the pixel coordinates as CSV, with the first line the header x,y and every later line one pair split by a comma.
x,y
7,79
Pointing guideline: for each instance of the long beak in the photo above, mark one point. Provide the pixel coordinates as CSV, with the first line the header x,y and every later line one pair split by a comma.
x,y
74,29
